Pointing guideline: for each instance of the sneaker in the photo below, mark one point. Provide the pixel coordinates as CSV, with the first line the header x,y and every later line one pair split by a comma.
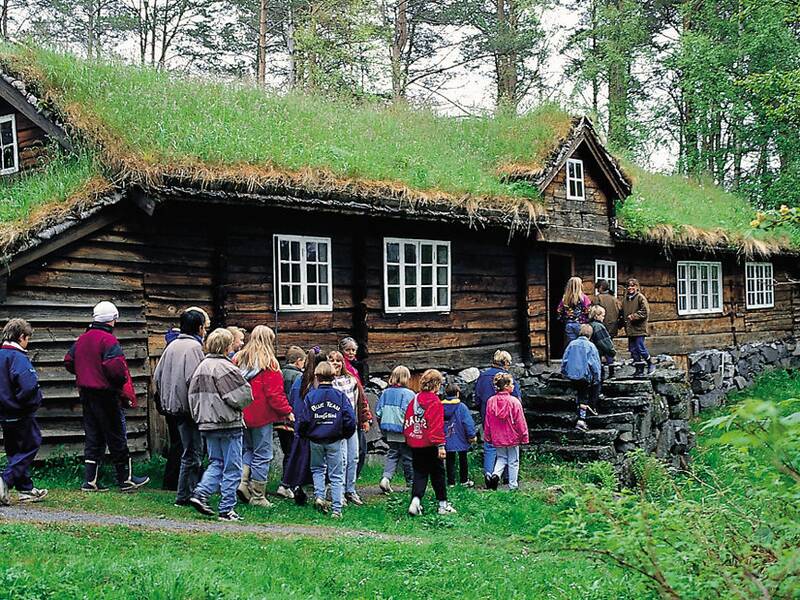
x,y
385,485
285,492
34,495
468,483
494,482
336,515
5,498
322,506
201,506
447,509
181,503
581,425
231,515
651,368
89,486
354,498
487,480
415,508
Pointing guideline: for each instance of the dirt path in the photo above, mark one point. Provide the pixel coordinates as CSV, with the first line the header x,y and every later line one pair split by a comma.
x,y
29,514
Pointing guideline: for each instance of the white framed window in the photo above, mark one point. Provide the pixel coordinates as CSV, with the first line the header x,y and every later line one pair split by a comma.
x,y
416,275
606,269
759,285
575,187
9,161
302,273
699,287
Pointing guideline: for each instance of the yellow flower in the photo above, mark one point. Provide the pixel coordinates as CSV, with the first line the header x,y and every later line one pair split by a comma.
x,y
784,209
755,223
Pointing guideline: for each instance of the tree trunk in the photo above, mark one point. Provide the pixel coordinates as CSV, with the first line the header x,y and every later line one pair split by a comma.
x,y
261,77
4,19
618,69
505,56
399,43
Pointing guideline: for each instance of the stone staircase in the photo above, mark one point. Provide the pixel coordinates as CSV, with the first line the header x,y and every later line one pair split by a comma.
x,y
632,414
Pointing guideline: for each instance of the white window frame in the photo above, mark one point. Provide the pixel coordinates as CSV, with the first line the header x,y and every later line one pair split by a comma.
x,y
303,306
576,162
13,120
685,285
759,285
604,265
403,308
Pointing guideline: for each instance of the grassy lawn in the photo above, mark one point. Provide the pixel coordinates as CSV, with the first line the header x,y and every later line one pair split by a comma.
x,y
709,532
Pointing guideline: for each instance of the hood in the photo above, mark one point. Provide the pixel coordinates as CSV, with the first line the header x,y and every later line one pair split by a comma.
x,y
503,405
423,400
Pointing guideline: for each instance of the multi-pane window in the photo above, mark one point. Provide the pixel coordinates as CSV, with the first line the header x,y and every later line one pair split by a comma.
x,y
699,287
8,145
303,273
759,284
416,275
606,269
575,186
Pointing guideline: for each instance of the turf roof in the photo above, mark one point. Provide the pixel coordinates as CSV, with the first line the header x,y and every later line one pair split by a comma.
x,y
146,125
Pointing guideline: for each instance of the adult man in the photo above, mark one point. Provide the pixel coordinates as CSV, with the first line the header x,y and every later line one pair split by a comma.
x,y
606,298
171,377
101,373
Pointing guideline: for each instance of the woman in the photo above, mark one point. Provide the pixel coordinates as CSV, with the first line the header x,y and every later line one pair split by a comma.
x,y
573,310
346,382
262,370
349,348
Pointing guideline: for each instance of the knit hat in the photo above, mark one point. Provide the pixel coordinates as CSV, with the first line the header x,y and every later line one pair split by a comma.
x,y
105,312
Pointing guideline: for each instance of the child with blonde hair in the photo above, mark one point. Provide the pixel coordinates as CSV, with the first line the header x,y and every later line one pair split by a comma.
x,y
391,411
581,365
506,429
573,310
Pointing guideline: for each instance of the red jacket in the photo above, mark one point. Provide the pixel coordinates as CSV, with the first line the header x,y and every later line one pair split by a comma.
x,y
423,425
97,361
270,404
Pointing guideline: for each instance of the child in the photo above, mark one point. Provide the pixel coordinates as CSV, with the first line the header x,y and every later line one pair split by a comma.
x,y
327,420
292,369
601,338
423,427
581,365
459,433
238,340
573,310
391,412
20,396
218,393
506,429
636,312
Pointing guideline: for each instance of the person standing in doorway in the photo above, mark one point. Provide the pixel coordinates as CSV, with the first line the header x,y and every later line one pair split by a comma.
x,y
573,310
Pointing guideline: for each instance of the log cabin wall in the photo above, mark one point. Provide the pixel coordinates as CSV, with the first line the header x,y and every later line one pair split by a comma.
x,y
31,140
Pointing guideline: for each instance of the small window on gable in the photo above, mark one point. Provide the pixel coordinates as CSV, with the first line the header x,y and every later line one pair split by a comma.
x,y
303,273
759,284
606,269
699,287
575,187
416,275
8,145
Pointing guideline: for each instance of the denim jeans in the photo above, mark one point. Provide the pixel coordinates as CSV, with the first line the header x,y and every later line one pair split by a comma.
x,y
258,451
329,459
572,331
191,456
224,470
351,463
508,457
637,348
399,451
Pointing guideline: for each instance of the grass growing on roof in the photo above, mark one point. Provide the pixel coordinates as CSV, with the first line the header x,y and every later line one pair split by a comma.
x,y
166,120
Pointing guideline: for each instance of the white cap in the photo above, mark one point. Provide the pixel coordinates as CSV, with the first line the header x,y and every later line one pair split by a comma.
x,y
105,312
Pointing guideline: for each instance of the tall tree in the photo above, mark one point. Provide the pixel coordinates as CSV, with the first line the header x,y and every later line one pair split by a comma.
x,y
90,26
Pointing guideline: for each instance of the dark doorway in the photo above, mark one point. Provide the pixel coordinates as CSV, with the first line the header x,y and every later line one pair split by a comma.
x,y
559,270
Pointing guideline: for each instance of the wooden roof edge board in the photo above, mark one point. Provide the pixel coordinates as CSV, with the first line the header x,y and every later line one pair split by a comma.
x,y
14,91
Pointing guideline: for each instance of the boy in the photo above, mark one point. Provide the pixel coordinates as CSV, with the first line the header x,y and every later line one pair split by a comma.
x,y
292,370
601,337
20,396
606,298
581,365
459,433
636,312
326,418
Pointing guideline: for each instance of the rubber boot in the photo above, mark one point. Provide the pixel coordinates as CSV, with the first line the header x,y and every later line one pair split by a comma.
x,y
91,477
639,372
243,492
127,481
257,496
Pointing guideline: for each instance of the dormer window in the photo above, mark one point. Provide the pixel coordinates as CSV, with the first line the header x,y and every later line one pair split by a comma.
x,y
8,145
575,188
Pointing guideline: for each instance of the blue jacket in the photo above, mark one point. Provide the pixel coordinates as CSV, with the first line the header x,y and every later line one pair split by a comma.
x,y
391,408
581,361
484,388
20,394
325,415
459,427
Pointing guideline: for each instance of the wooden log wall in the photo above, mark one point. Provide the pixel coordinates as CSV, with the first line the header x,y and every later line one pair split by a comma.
x,y
31,140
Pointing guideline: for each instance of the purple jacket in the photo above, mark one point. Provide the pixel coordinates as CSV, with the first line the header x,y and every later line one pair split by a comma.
x,y
20,395
96,360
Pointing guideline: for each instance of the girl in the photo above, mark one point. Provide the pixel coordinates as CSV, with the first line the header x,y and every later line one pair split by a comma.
x,y
506,429
391,411
573,310
346,382
424,431
262,370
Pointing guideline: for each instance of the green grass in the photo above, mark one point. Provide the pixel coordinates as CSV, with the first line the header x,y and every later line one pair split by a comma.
x,y
57,181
